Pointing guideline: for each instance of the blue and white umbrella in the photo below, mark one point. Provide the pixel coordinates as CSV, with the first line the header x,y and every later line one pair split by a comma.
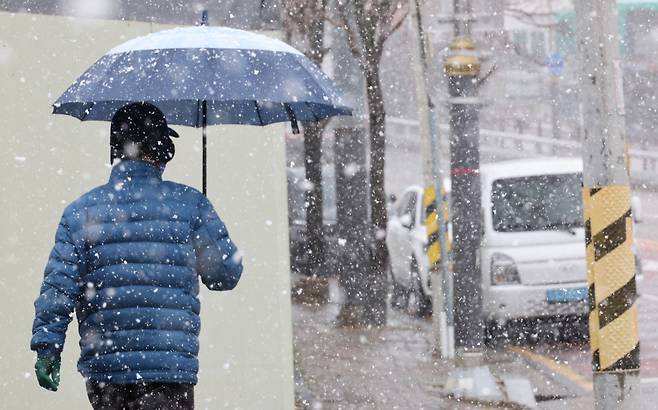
x,y
203,75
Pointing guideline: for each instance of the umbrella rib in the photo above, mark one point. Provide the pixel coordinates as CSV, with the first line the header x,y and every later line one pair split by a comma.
x,y
97,86
260,119
313,79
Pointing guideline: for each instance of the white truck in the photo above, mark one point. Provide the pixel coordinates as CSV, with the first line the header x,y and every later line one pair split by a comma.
x,y
532,257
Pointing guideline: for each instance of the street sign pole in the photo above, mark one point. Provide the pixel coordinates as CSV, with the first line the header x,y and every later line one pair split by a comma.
x,y
471,380
462,68
613,316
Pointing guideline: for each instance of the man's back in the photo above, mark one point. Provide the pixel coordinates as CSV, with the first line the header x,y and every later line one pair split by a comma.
x,y
127,256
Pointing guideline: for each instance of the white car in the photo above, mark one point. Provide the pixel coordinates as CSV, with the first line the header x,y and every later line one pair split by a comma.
x,y
532,257
406,238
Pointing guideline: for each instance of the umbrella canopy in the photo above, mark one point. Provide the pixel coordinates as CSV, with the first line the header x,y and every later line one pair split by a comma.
x,y
245,78
205,75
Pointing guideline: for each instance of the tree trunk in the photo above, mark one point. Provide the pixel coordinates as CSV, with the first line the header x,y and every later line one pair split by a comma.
x,y
353,225
315,246
368,307
306,20
376,313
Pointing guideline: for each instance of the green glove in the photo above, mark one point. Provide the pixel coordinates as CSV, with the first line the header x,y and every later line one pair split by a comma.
x,y
47,371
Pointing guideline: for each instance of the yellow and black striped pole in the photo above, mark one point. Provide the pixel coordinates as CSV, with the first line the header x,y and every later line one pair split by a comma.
x,y
593,313
613,321
435,252
613,312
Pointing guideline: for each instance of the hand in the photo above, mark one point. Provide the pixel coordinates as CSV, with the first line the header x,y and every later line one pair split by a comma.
x,y
47,371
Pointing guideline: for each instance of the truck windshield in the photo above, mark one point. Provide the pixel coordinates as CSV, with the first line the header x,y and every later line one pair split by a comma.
x,y
537,203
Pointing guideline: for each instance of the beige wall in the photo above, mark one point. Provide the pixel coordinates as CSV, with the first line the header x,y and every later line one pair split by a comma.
x,y
46,161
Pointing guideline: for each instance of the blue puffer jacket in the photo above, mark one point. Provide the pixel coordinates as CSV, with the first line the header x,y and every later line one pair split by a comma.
x,y
127,258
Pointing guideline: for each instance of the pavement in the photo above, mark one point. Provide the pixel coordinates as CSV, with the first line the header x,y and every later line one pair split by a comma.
x,y
393,368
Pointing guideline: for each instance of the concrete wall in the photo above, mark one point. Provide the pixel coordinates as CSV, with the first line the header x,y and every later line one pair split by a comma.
x,y
47,161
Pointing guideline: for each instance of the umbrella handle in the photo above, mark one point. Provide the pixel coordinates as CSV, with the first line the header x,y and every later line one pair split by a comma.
x,y
204,149
204,124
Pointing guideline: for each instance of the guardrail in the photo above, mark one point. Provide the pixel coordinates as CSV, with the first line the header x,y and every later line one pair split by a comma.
x,y
643,164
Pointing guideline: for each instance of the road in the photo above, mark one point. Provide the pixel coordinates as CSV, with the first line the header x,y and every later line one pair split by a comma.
x,y
571,361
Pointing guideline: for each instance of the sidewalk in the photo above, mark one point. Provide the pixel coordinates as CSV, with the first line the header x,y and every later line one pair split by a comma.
x,y
365,369
391,368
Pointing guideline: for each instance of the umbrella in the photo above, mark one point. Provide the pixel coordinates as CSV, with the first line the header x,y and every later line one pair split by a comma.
x,y
200,76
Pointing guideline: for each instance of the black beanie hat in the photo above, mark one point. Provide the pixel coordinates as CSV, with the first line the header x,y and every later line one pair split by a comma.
x,y
140,129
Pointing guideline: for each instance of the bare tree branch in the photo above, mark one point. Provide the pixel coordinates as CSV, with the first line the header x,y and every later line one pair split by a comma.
x,y
523,11
517,50
344,24
366,19
528,6
531,18
303,21
336,22
384,14
482,80
398,16
293,17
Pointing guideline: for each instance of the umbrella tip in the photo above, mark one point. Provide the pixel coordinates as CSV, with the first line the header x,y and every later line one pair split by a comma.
x,y
204,18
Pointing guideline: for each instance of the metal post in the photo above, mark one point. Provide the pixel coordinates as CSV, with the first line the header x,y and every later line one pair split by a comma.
x,y
613,317
204,146
462,68
471,379
204,125
437,246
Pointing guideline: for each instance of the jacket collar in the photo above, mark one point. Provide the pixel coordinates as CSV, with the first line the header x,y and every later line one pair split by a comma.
x,y
135,169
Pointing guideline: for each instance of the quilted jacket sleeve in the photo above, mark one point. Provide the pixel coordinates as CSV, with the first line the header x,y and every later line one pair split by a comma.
x,y
59,292
218,261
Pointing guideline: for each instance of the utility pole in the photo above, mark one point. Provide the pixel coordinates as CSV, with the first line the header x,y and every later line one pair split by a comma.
x,y
434,198
613,317
472,379
462,68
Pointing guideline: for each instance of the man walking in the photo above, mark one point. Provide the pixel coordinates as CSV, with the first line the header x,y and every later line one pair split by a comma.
x,y
127,258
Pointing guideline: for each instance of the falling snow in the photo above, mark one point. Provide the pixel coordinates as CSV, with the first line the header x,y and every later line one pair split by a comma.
x,y
356,284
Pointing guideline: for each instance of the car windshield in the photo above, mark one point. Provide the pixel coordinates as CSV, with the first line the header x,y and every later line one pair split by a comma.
x,y
537,203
